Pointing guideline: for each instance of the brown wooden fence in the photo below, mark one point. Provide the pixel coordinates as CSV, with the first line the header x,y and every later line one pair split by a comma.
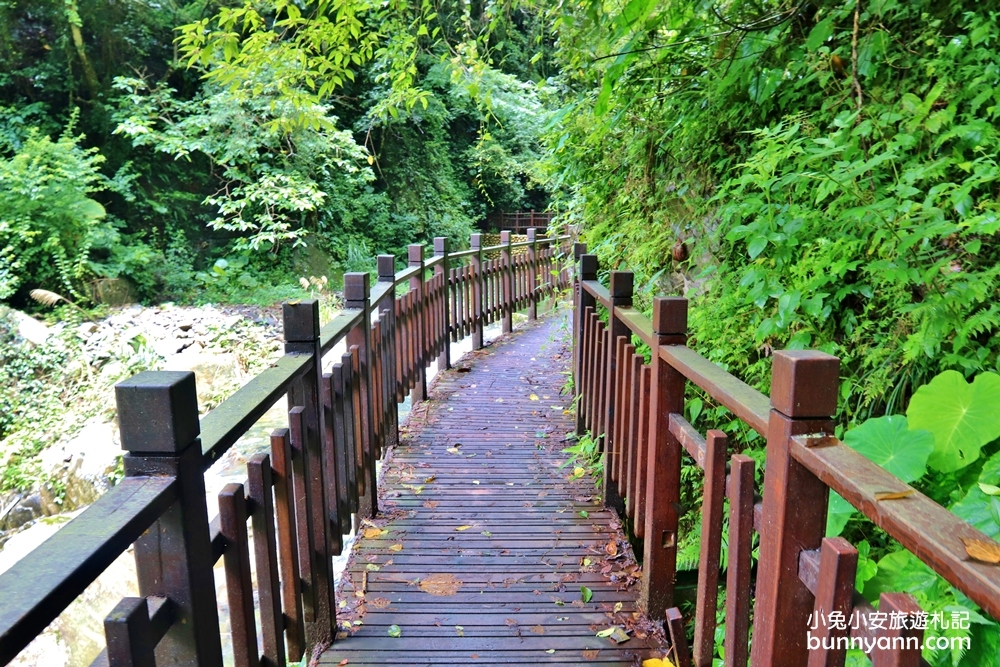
x,y
518,222
636,410
300,499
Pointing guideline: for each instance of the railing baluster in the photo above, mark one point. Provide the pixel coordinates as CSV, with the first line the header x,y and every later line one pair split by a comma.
x,y
507,272
333,468
343,445
741,502
284,506
711,547
260,483
356,296
239,585
642,455
386,274
416,334
907,652
838,564
620,293
632,432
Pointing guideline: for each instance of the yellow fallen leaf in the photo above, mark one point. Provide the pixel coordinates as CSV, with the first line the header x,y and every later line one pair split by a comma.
x,y
440,584
984,551
372,533
461,528
396,547
894,495
533,397
657,662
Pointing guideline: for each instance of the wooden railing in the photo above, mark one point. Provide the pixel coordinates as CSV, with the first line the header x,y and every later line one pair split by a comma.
x,y
636,410
518,221
300,499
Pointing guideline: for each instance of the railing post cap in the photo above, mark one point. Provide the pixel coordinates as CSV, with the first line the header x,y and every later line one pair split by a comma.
x,y
532,232
386,268
621,284
415,252
158,412
588,267
476,241
505,237
300,320
579,249
670,315
805,383
356,286
440,245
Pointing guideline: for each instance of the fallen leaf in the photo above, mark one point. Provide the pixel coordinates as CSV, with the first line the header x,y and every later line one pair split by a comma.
x,y
440,584
984,551
533,397
606,632
430,504
462,528
372,567
612,548
618,607
551,650
372,533
510,622
538,630
394,631
487,533
428,480
584,513
619,636
379,603
396,547
587,562
342,662
893,495
657,662
459,630
590,654
586,594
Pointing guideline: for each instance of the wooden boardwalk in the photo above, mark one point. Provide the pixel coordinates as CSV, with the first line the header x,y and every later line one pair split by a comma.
x,y
485,542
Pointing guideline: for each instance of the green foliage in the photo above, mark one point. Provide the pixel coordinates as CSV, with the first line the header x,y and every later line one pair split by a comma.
x,y
962,417
49,219
586,458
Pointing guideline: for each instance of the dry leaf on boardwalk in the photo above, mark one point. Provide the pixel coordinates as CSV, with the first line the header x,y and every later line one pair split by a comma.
x,y
440,584
538,630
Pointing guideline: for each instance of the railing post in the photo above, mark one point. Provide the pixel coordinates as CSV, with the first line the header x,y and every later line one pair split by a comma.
x,y
356,294
804,386
476,243
588,271
415,257
532,274
443,268
663,465
620,290
387,274
301,330
158,421
507,271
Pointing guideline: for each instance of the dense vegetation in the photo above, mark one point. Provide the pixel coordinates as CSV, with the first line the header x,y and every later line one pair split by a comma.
x,y
831,168
826,171
138,141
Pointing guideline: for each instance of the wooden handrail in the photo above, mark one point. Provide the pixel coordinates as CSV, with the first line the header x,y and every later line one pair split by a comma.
x,y
300,497
804,463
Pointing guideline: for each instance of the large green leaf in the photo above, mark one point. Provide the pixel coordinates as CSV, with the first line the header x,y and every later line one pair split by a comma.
x,y
889,442
978,507
963,417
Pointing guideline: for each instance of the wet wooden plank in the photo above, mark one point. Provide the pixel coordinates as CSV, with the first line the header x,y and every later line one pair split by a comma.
x,y
487,538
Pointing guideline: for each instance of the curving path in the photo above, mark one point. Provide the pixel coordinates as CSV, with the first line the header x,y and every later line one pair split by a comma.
x,y
488,550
